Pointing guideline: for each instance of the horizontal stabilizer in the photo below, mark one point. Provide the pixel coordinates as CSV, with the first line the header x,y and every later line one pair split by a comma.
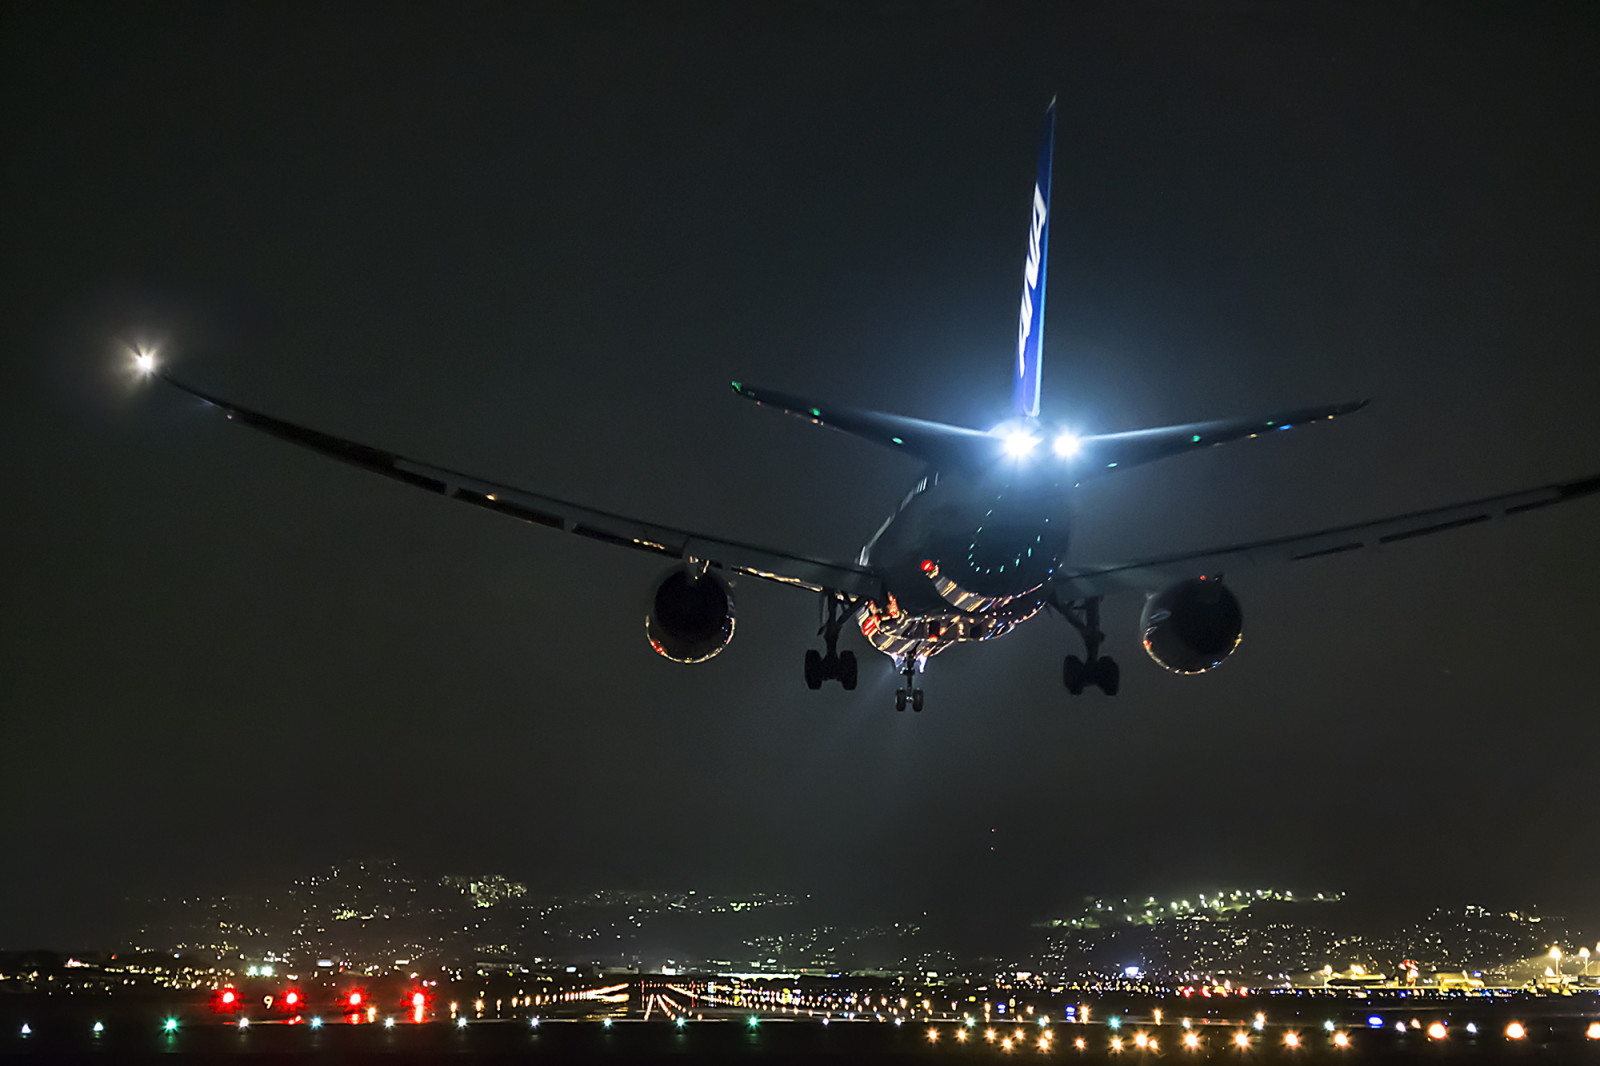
x,y
959,447
1109,451
938,443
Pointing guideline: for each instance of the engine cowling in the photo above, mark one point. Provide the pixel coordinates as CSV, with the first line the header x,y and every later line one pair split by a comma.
x,y
1191,626
691,617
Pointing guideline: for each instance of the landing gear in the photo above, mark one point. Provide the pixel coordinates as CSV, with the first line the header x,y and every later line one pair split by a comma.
x,y
909,691
834,665
1094,669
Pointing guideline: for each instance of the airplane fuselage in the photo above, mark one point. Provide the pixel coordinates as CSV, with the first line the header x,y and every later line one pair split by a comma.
x,y
964,558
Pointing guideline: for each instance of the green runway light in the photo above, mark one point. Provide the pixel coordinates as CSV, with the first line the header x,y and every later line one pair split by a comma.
x,y
754,1021
172,1025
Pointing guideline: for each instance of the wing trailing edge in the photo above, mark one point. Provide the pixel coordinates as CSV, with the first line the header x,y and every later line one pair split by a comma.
x,y
753,560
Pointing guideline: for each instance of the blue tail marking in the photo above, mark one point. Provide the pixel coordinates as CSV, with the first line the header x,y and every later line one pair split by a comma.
x,y
1030,326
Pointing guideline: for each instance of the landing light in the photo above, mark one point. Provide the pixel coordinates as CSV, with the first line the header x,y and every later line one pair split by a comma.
x,y
1067,444
1018,443
144,362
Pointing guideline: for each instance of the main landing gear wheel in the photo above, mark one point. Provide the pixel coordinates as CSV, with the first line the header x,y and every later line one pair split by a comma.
x,y
833,665
1098,670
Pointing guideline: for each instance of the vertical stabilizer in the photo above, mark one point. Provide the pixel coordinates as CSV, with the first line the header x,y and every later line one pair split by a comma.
x,y
1030,327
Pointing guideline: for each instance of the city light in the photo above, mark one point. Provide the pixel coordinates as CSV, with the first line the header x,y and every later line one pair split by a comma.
x,y
1436,1031
961,1036
1291,1039
1191,1041
1341,1039
1515,1031
1116,1043
1141,1041
1594,1031
933,1036
1241,1039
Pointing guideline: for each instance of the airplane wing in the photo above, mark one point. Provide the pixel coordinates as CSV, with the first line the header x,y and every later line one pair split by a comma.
x,y
1147,575
786,568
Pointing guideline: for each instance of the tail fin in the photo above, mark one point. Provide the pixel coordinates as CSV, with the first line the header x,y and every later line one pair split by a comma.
x,y
1030,328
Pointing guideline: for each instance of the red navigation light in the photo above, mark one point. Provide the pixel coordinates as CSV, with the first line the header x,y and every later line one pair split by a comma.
x,y
928,566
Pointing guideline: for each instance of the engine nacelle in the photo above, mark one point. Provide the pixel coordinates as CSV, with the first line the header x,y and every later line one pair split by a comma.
x,y
691,618
1191,626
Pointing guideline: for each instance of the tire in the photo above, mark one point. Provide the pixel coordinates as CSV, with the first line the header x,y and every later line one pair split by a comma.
x,y
1073,674
899,699
813,669
1108,675
916,700
847,670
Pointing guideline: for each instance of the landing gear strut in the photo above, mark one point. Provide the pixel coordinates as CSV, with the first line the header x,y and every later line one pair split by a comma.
x,y
833,665
909,689
1093,668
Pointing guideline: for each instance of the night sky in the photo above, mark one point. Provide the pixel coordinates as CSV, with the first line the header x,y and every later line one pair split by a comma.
x,y
536,243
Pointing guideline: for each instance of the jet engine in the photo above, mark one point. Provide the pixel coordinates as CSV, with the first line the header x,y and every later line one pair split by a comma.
x,y
691,616
1191,626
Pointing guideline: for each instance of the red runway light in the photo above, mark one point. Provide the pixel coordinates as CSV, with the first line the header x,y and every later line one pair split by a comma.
x,y
355,999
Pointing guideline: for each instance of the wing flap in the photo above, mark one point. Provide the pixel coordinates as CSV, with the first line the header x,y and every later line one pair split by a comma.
x,y
1149,574
770,564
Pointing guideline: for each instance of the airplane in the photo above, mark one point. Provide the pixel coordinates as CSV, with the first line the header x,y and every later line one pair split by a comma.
x,y
978,546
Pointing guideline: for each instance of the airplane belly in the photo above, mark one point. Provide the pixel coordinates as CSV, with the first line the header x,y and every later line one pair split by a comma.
x,y
958,567
901,634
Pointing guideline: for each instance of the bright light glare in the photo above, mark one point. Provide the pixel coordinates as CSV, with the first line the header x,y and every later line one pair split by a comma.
x,y
1341,1040
1191,1041
1436,1031
1242,1039
1067,444
1291,1039
1594,1031
144,362
1515,1031
1019,443
388,1023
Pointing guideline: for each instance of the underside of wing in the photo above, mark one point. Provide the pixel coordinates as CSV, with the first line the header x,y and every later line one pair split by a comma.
x,y
1149,574
787,568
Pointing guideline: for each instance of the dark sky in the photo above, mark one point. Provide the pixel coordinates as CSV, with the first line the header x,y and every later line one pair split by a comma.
x,y
536,243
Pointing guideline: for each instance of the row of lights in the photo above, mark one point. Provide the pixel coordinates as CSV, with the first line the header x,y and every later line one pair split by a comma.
x,y
1142,1041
